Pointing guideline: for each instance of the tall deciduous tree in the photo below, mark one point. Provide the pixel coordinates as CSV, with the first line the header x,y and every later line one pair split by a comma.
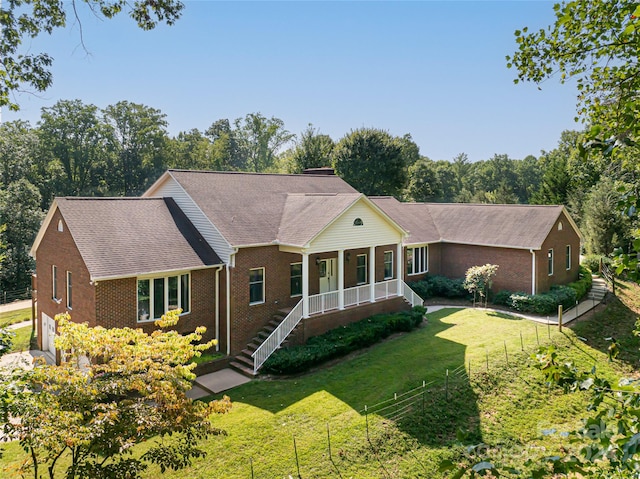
x,y
595,44
371,161
18,150
312,150
260,139
116,388
423,184
20,215
21,20
74,135
140,137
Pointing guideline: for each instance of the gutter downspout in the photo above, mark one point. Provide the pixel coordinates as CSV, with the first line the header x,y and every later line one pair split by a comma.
x,y
228,293
533,271
217,300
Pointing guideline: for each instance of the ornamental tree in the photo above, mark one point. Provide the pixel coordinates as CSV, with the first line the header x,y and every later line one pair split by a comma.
x,y
479,280
115,388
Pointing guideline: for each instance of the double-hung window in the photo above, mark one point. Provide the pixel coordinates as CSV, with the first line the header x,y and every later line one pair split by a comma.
x,y
388,264
256,286
54,282
296,279
156,296
568,257
361,269
550,262
69,289
418,260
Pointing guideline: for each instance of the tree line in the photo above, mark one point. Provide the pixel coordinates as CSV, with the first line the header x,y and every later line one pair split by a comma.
x,y
80,149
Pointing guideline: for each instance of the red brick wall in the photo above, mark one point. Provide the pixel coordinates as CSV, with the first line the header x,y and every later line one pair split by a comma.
x,y
558,240
116,305
246,319
59,248
514,271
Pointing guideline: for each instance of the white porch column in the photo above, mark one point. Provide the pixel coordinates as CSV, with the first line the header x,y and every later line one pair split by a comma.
x,y
305,285
340,279
399,267
372,273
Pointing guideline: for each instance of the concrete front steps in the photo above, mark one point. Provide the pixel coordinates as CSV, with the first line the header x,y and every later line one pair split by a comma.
x,y
599,289
243,362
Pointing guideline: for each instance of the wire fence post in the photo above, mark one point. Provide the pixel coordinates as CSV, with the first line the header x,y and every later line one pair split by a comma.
x,y
329,442
469,374
548,327
446,386
560,317
486,354
295,450
506,354
251,464
577,304
366,420
537,337
424,390
521,342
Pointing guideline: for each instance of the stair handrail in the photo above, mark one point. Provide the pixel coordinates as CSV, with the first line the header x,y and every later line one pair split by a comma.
x,y
410,295
608,275
277,337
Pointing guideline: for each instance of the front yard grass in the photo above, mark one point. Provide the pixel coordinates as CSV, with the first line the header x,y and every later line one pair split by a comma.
x,y
14,317
504,404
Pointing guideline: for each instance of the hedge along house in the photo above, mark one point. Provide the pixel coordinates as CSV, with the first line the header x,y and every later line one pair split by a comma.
x,y
535,247
233,250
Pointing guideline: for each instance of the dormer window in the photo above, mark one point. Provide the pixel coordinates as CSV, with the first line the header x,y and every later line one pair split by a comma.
x,y
60,226
358,222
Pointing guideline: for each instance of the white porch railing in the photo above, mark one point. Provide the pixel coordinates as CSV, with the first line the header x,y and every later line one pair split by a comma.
x,y
386,289
323,302
358,295
277,337
411,296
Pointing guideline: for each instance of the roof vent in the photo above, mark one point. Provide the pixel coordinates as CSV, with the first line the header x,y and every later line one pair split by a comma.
x,y
324,171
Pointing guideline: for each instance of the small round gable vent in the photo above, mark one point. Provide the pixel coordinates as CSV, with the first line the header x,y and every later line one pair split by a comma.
x,y
358,222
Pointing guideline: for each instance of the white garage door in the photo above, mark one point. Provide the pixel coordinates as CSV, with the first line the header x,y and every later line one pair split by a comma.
x,y
48,334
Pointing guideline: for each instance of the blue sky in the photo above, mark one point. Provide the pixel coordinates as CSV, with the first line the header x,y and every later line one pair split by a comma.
x,y
436,70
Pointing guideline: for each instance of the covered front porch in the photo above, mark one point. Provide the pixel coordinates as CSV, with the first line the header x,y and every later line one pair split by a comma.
x,y
344,278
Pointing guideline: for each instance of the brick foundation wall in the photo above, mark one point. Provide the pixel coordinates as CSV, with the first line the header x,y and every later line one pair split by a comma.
x,y
58,248
319,324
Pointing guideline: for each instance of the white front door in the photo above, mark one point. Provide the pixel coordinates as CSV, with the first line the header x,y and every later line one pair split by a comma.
x,y
48,334
328,275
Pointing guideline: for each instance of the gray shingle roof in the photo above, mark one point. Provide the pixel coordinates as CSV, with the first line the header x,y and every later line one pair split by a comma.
x,y
131,236
511,226
248,208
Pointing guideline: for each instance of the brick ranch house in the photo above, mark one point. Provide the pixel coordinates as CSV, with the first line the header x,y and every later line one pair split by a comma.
x,y
255,256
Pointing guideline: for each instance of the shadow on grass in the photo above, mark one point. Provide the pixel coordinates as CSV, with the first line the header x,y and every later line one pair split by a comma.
x,y
374,375
505,315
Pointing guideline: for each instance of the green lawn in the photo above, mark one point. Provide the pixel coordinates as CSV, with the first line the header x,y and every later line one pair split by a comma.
x,y
22,339
13,317
505,405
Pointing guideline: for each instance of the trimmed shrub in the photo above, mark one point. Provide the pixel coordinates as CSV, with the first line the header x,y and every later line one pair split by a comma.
x,y
341,341
440,286
592,262
503,298
583,285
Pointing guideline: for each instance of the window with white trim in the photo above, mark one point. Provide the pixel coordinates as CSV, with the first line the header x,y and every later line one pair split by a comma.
x,y
361,269
256,286
550,262
156,296
296,279
418,260
69,289
54,282
568,257
388,264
